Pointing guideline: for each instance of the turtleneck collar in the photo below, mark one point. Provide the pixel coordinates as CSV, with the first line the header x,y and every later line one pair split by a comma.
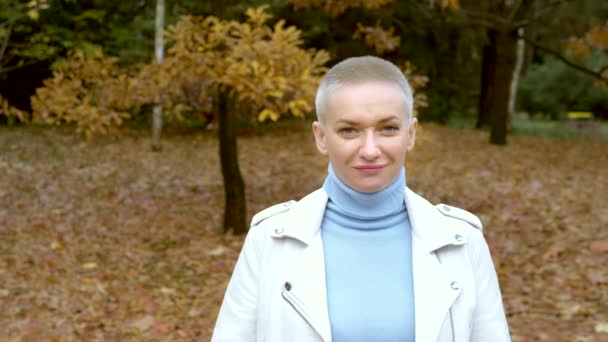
x,y
365,205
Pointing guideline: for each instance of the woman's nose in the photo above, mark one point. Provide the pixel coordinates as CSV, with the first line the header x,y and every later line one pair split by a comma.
x,y
370,149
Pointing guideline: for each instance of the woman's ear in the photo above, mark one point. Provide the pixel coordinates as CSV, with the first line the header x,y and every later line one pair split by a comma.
x,y
411,134
319,132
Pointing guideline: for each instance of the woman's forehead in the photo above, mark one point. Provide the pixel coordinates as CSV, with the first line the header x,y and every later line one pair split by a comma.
x,y
373,101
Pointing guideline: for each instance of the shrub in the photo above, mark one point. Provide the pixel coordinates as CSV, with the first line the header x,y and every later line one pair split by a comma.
x,y
553,88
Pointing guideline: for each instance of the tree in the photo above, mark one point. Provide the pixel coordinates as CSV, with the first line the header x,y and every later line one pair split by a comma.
x,y
234,69
501,20
581,47
159,49
553,88
89,89
504,22
383,37
13,20
573,77
16,18
239,67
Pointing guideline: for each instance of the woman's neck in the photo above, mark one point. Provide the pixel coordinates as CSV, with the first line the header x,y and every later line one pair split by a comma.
x,y
365,205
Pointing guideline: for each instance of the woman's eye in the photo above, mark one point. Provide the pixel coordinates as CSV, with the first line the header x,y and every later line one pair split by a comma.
x,y
347,131
390,129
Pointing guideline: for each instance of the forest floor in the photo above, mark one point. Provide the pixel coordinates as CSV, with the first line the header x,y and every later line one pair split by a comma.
x,y
110,241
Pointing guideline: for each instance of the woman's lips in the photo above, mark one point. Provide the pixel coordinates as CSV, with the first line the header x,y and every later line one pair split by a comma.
x,y
370,169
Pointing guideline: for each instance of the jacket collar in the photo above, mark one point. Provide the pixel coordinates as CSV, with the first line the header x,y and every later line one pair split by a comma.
x,y
429,226
304,219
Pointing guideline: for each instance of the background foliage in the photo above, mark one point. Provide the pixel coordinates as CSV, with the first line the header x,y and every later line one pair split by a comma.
x,y
105,239
551,89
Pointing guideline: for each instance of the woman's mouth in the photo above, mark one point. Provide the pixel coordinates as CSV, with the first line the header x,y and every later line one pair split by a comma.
x,y
370,169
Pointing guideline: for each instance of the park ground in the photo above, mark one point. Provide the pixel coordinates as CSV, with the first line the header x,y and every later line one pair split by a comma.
x,y
107,240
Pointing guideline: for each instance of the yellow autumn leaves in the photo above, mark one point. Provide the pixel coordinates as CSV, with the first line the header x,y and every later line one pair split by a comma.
x,y
9,111
262,70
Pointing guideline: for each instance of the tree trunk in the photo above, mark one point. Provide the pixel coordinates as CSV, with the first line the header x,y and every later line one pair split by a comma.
x,y
506,42
488,64
520,47
157,115
235,209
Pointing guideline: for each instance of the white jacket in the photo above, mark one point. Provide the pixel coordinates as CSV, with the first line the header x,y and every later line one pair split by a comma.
x,y
277,292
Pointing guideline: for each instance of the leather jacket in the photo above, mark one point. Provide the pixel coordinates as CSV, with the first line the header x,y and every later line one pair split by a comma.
x,y
278,293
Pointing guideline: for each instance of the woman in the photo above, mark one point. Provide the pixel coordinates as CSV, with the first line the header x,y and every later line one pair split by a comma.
x,y
363,258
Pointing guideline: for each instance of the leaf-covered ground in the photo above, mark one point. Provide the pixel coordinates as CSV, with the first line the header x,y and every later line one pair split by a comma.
x,y
109,241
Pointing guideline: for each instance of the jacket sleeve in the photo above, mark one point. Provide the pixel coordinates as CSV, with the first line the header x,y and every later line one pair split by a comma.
x,y
237,318
489,321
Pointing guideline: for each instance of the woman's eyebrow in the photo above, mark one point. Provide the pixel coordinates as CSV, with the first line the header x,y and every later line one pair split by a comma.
x,y
357,123
348,122
389,118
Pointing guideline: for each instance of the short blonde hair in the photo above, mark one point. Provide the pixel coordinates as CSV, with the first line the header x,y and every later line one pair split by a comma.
x,y
357,70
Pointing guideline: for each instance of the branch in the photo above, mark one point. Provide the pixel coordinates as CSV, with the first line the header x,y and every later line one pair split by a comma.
x,y
15,67
425,10
514,12
8,35
561,57
540,13
485,16
472,22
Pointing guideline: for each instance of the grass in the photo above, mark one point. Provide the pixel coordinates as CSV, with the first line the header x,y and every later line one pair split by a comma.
x,y
593,130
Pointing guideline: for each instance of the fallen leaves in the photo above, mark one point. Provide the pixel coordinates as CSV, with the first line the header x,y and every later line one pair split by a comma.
x,y
111,240
601,328
599,246
89,266
217,251
144,323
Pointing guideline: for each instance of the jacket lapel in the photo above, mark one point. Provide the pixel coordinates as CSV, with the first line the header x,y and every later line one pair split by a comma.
x,y
307,290
433,292
308,294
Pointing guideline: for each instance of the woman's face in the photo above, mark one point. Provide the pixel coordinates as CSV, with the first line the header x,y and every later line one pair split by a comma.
x,y
366,134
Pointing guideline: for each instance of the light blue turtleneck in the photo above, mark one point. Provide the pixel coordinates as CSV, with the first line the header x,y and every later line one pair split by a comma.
x,y
368,262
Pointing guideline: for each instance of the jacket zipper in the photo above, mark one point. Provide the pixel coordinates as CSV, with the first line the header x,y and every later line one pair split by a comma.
x,y
294,302
450,310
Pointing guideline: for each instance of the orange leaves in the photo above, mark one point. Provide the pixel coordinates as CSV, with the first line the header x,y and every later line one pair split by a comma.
x,y
378,38
595,38
598,36
578,47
